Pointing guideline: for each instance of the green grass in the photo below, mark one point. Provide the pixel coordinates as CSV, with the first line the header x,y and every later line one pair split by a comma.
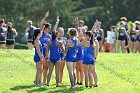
x,y
118,73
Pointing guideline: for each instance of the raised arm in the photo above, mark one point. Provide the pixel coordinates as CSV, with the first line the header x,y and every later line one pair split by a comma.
x,y
56,24
76,23
94,26
43,21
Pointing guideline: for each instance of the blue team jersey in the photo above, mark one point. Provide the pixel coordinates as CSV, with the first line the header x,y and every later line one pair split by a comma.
x,y
88,55
44,40
54,52
72,52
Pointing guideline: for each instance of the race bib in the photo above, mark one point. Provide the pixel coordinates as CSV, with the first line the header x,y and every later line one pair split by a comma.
x,y
133,36
121,34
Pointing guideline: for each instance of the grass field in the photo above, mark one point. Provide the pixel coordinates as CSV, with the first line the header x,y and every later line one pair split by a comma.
x,y
118,73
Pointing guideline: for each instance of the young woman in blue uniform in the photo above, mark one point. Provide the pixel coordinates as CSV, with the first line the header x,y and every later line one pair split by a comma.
x,y
80,56
2,36
30,32
38,56
62,63
89,58
54,47
46,37
71,56
10,34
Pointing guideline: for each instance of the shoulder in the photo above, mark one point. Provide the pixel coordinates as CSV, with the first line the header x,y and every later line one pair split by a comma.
x,y
14,30
33,27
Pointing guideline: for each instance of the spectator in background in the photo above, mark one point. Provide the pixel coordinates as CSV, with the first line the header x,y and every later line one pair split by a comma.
x,y
133,36
121,39
138,39
113,40
2,37
30,32
99,34
124,20
137,23
10,34
106,46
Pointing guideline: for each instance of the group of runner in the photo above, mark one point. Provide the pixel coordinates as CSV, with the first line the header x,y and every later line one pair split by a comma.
x,y
78,52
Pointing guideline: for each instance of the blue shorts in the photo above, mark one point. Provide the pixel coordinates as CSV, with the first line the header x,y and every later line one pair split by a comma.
x,y
80,57
88,59
54,60
71,59
36,58
61,54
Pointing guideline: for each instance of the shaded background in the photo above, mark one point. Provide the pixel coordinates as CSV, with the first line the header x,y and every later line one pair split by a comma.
x,y
108,11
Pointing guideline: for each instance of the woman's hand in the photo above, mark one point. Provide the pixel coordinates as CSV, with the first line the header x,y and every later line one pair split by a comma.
x,y
47,14
42,59
57,19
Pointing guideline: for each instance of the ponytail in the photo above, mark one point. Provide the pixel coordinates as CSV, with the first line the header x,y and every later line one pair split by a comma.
x,y
90,34
54,35
36,32
91,40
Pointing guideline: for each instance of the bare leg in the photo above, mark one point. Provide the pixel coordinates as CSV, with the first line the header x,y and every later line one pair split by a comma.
x,y
45,71
86,75
77,72
57,70
90,75
95,75
62,64
123,45
119,43
39,72
50,72
71,67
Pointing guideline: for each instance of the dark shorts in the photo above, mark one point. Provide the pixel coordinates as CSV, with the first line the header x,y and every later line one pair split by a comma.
x,y
121,38
99,38
9,42
29,41
54,60
3,42
36,58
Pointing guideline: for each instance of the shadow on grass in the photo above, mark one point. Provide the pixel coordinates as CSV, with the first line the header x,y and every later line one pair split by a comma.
x,y
16,88
62,89
65,90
